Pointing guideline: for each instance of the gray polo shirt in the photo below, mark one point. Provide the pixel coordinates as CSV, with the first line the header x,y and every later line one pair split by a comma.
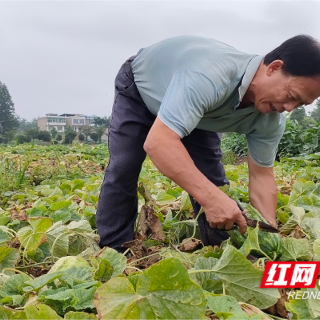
x,y
194,82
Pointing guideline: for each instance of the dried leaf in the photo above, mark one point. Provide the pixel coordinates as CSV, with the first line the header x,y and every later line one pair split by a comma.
x,y
150,224
189,244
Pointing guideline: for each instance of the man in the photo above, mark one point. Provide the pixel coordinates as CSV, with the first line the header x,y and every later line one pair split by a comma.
x,y
170,101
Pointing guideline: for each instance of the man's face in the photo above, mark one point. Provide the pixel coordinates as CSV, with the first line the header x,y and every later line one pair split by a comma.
x,y
279,92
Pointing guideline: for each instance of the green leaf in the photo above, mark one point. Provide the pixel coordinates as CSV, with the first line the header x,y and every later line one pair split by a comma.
x,y
77,275
80,226
295,220
4,237
9,314
77,184
185,202
295,250
310,202
79,298
8,258
164,291
40,312
209,281
312,227
15,284
12,290
79,316
104,271
316,250
77,245
59,205
117,260
38,283
6,313
219,303
61,215
58,239
299,308
32,236
66,263
251,242
242,280
36,211
164,198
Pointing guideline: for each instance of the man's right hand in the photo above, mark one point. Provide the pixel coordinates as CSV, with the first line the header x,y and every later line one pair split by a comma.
x,y
222,212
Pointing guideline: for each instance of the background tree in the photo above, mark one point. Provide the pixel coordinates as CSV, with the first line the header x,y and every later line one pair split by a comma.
x,y
20,138
101,122
86,131
315,113
8,118
70,134
99,131
298,114
54,132
94,136
44,136
32,133
25,124
81,137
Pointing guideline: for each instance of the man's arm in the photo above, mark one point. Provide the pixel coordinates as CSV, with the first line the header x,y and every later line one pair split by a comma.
x,y
263,190
167,152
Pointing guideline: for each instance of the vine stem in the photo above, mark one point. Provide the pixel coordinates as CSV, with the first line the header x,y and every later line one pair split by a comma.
x,y
134,268
35,264
12,269
201,271
146,257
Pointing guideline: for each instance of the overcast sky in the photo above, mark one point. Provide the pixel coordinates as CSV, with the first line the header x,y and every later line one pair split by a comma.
x,y
62,56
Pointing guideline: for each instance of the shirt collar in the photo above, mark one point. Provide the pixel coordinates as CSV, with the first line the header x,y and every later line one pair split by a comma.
x,y
249,74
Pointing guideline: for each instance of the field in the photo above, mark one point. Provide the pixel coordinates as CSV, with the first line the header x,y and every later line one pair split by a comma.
x,y
52,268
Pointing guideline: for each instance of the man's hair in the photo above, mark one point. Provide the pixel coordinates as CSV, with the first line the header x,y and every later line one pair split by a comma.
x,y
300,55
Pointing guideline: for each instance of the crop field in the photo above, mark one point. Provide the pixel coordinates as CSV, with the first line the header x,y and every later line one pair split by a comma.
x,y
51,266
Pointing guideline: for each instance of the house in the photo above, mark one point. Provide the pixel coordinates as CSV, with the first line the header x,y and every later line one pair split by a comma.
x,y
60,122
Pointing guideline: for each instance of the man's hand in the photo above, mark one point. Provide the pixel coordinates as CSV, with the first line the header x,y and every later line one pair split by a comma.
x,y
263,191
223,212
167,152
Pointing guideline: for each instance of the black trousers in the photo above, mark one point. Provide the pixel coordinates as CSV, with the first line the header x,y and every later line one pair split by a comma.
x,y
130,123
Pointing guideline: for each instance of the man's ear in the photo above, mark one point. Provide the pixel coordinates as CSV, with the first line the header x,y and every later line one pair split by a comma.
x,y
274,66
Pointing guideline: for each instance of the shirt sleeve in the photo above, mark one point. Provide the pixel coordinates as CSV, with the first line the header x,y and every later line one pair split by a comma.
x,y
263,142
187,98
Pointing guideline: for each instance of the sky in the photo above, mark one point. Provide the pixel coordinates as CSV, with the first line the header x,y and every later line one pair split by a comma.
x,y
63,56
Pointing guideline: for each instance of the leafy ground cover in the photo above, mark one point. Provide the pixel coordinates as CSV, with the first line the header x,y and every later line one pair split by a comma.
x,y
52,268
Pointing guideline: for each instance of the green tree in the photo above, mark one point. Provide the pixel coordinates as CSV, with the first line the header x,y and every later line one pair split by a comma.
x,y
20,138
86,131
101,122
99,131
44,136
315,113
70,134
298,114
94,136
54,133
8,118
81,137
25,124
32,133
